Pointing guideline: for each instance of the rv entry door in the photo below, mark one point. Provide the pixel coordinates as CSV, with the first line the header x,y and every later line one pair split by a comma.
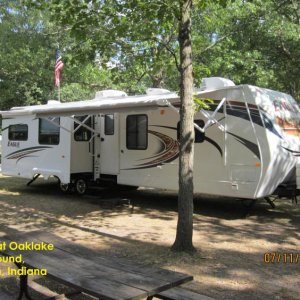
x,y
109,144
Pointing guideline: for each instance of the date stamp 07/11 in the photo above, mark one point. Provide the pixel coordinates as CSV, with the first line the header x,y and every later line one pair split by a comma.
x,y
281,257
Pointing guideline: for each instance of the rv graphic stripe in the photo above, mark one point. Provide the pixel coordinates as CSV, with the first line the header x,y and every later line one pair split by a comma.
x,y
25,152
236,103
168,127
295,153
169,153
269,125
250,145
238,112
214,143
256,117
239,109
207,139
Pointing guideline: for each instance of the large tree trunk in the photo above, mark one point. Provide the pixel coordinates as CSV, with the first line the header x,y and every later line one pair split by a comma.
x,y
184,235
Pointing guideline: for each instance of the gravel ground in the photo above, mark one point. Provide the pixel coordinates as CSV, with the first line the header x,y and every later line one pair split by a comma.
x,y
141,225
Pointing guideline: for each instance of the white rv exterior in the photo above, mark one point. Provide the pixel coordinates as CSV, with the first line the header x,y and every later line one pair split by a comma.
x,y
250,145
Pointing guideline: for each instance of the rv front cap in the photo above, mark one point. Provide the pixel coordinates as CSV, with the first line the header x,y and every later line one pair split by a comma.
x,y
31,246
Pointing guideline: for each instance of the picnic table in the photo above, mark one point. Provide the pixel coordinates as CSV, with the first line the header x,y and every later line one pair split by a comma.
x,y
90,272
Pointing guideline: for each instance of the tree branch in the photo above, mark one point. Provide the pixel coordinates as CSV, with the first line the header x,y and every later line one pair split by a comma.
x,y
215,43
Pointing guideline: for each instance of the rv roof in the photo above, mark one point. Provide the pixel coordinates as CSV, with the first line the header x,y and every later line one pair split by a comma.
x,y
215,83
110,94
153,99
94,106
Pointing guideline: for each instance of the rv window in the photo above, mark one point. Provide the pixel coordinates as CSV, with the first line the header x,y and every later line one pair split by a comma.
x,y
199,136
49,132
18,132
82,134
109,125
137,132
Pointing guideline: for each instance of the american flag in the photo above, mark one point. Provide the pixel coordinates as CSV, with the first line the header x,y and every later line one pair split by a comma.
x,y
58,67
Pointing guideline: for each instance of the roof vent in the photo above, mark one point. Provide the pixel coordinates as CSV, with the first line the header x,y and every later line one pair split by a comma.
x,y
110,94
215,83
157,91
53,102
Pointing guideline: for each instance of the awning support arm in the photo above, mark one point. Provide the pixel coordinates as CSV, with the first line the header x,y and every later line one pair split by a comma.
x,y
83,124
211,118
195,125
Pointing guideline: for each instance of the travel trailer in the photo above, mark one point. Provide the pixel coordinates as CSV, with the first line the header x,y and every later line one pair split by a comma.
x,y
246,145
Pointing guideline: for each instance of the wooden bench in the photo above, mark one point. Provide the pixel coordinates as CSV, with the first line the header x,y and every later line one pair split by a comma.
x,y
89,272
180,293
5,296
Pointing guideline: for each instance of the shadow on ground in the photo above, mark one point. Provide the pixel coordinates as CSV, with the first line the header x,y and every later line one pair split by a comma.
x,y
230,261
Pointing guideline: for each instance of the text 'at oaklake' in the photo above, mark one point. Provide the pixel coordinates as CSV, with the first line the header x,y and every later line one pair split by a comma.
x,y
26,246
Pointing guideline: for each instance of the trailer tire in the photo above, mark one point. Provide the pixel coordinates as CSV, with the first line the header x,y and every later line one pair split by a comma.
x,y
81,186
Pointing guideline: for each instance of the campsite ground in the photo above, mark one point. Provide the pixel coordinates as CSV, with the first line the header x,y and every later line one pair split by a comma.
x,y
229,263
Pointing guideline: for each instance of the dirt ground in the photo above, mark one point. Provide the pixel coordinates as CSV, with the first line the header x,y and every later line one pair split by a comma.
x,y
229,263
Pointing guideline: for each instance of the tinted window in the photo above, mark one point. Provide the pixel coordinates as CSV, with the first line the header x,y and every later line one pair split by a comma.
x,y
49,131
137,132
18,132
109,125
199,136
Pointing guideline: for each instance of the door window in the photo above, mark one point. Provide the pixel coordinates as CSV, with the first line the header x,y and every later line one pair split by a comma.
x,y
109,125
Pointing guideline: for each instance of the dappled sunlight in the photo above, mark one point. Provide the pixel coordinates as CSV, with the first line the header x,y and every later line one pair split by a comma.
x,y
8,193
288,282
242,283
292,240
243,245
230,258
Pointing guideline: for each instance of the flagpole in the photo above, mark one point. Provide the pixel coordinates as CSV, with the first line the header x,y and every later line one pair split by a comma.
x,y
57,72
58,92
58,87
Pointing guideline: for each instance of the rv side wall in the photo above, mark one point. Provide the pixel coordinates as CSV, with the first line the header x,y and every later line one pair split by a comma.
x,y
30,149
223,165
279,145
298,174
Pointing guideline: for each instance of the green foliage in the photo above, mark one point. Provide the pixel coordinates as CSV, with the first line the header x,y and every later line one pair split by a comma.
x,y
24,70
27,59
200,103
73,92
86,81
141,36
132,45
255,42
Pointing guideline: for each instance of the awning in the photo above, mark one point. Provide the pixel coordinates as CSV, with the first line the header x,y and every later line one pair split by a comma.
x,y
92,107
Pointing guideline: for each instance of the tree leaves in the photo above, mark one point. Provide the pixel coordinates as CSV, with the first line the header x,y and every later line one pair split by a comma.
x,y
132,45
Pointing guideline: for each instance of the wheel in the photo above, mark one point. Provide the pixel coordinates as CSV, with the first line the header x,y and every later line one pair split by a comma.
x,y
64,187
81,186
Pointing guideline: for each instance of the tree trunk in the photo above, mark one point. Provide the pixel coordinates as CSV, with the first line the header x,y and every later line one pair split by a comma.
x,y
157,80
184,234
